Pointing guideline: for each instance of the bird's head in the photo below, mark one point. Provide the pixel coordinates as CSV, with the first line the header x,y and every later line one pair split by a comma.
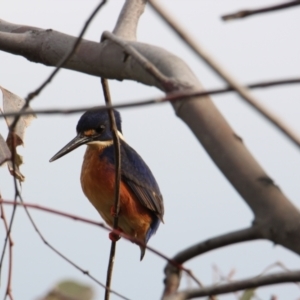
x,y
93,128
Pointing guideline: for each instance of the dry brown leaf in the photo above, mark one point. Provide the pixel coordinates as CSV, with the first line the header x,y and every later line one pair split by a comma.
x,y
14,103
13,141
4,151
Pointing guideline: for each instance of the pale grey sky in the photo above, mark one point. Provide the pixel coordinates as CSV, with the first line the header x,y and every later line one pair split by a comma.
x,y
199,202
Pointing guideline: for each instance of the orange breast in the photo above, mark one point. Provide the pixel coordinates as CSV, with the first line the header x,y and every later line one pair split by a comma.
x,y
98,181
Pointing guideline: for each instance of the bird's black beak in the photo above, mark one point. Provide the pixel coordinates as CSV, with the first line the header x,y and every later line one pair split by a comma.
x,y
75,143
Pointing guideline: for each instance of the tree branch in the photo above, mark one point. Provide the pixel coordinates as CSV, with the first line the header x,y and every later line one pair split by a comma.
x,y
65,58
8,292
180,95
128,19
232,82
237,286
237,164
117,155
103,226
251,12
243,235
173,274
55,250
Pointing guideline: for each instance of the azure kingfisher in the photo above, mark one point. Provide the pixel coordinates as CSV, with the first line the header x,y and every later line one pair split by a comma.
x,y
141,203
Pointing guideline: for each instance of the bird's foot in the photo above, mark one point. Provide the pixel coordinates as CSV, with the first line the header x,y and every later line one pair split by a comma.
x,y
114,236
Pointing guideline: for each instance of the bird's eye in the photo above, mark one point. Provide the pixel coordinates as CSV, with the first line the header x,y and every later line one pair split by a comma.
x,y
100,129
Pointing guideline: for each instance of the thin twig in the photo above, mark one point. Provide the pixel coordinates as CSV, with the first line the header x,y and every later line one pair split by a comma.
x,y
117,154
68,55
85,272
251,12
9,280
241,90
180,95
239,285
102,225
56,212
17,194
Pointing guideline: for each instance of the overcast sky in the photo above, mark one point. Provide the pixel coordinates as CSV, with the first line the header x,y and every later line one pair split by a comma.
x,y
199,201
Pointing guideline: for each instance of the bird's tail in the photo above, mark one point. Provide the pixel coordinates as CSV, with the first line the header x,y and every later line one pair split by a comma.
x,y
143,251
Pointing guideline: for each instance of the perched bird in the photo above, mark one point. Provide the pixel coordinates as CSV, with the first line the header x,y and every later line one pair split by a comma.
x,y
141,203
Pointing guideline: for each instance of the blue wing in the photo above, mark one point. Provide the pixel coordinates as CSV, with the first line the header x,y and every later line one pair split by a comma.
x,y
137,175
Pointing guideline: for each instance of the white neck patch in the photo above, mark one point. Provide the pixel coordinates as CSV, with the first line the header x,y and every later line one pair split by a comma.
x,y
104,144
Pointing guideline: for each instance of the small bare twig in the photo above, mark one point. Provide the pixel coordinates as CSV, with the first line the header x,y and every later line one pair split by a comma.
x,y
102,225
68,55
117,154
85,272
180,95
238,285
281,266
17,194
241,90
251,12
8,288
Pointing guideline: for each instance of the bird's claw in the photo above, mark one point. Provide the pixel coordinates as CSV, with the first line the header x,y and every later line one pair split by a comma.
x,y
114,236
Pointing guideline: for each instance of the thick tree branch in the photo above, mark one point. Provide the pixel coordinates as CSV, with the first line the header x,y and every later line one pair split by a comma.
x,y
251,12
237,286
167,83
128,19
243,235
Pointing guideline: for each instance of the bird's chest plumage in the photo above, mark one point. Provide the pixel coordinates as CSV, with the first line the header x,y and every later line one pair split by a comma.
x,y
98,184
97,181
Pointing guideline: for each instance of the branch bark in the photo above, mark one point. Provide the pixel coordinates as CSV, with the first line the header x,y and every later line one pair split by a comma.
x,y
173,274
128,19
237,286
